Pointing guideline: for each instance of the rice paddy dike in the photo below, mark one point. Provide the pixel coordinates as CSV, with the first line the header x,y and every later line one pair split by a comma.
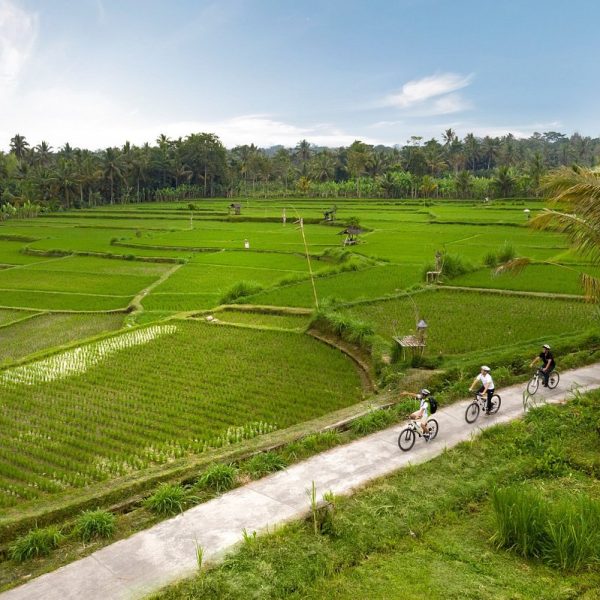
x,y
118,356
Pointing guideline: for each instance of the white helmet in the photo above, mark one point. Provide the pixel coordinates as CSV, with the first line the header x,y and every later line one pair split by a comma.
x,y
485,368
425,392
546,346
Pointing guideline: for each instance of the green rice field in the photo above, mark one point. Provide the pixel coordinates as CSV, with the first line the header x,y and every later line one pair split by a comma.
x,y
121,398
154,394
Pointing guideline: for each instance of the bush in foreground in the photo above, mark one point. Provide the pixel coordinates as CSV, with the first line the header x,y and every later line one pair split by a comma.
x,y
38,542
218,478
93,524
168,499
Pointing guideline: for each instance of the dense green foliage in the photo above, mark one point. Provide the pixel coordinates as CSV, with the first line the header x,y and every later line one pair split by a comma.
x,y
167,500
39,177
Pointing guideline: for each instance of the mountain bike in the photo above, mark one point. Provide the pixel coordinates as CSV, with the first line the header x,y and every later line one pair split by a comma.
x,y
534,382
408,436
478,405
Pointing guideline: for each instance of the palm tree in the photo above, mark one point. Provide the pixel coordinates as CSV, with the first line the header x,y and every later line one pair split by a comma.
x,y
19,146
449,136
536,169
504,182
42,154
464,184
303,153
282,165
323,165
65,180
181,171
112,169
490,147
88,174
471,144
359,157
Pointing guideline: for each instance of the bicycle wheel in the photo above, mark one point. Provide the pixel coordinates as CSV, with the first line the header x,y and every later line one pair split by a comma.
x,y
432,424
406,439
533,385
553,379
495,404
472,412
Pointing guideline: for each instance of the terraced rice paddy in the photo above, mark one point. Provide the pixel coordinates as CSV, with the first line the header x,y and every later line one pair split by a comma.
x,y
177,386
151,395
460,322
535,278
37,331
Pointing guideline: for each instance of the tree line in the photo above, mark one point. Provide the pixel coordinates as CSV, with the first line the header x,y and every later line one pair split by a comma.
x,y
40,177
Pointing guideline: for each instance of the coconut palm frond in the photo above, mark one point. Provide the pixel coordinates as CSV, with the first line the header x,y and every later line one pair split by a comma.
x,y
583,234
581,196
544,219
514,266
591,287
575,186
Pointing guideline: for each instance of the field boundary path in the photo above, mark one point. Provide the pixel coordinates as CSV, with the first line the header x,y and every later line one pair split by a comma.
x,y
503,292
139,297
151,559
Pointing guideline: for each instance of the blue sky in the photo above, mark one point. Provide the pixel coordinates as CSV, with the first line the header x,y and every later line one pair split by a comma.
x,y
98,72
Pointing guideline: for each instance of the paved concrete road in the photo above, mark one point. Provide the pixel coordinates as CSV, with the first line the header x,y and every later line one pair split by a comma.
x,y
165,553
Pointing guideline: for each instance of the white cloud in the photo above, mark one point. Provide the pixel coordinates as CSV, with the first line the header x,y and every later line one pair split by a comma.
x,y
518,131
262,130
18,31
451,103
91,119
431,95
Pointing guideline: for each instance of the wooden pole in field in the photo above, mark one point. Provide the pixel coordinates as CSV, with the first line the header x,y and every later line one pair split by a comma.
x,y
310,272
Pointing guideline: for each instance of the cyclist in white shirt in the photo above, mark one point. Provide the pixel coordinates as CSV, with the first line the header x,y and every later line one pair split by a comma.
x,y
486,386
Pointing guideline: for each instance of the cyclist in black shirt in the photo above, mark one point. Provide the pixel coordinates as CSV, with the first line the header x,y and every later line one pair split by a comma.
x,y
548,363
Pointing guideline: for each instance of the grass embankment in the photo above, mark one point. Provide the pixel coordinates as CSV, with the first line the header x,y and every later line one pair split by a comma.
x,y
428,529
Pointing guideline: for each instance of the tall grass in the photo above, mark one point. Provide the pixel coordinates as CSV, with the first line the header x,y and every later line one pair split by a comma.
x,y
346,327
564,534
95,524
453,265
168,499
573,534
521,517
218,478
372,421
38,542
240,290
264,463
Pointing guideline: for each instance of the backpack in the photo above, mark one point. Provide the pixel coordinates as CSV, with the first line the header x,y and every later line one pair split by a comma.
x,y
433,405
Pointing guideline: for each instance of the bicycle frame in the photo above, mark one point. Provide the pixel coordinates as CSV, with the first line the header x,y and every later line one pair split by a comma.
x,y
416,427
